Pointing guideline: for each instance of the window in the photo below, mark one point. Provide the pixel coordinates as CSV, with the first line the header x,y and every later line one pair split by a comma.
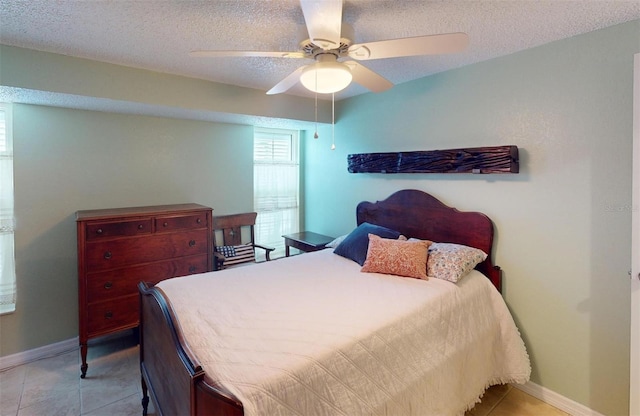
x,y
276,184
7,259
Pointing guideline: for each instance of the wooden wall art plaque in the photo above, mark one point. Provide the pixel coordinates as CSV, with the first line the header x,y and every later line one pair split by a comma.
x,y
496,159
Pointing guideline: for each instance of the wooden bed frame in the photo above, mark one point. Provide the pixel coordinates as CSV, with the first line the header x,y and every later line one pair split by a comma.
x,y
172,375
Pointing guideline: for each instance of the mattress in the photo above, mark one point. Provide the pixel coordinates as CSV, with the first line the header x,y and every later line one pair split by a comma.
x,y
312,335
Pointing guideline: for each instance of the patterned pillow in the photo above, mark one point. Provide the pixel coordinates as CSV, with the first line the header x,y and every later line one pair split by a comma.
x,y
354,246
398,257
452,261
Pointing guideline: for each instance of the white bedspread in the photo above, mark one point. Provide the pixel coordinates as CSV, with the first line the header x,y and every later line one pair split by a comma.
x,y
312,335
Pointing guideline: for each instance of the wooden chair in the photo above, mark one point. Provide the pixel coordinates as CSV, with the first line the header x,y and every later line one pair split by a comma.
x,y
232,246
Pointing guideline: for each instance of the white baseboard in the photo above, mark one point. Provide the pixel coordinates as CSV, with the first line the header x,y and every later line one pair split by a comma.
x,y
556,400
50,350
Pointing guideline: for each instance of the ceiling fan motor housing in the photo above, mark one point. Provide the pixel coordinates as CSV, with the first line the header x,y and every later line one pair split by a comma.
x,y
327,75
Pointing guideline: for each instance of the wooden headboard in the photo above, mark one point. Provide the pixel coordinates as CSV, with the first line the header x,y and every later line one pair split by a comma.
x,y
417,214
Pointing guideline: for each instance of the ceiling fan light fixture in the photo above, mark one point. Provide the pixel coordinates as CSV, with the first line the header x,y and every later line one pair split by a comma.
x,y
326,77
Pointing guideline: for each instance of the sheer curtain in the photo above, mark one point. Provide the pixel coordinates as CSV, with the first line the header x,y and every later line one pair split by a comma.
x,y
276,183
7,258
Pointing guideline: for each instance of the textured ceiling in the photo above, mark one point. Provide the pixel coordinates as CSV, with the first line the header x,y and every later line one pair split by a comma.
x,y
159,34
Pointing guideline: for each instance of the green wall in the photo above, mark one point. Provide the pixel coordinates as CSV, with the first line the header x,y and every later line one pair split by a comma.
x,y
563,224
68,160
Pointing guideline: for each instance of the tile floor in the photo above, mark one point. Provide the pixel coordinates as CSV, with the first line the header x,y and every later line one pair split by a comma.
x,y
53,387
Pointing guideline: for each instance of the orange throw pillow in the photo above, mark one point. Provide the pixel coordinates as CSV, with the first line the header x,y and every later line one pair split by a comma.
x,y
397,257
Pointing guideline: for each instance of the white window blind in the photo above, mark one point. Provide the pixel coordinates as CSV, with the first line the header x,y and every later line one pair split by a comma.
x,y
7,258
276,183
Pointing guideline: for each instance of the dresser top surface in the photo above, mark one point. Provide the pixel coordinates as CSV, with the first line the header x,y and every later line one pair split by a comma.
x,y
92,214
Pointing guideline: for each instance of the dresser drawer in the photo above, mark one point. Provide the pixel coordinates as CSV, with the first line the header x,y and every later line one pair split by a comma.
x,y
104,255
120,282
182,222
115,314
118,229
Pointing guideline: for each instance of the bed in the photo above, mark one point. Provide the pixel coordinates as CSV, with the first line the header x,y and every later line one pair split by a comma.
x,y
314,334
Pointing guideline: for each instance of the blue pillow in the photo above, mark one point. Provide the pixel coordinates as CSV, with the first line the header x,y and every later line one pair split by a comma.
x,y
355,245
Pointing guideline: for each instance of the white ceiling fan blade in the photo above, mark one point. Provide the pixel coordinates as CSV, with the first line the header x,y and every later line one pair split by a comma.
x,y
324,21
419,45
367,78
215,54
284,85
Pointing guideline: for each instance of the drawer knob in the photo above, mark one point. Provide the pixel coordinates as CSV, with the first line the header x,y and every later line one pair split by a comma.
x,y
165,224
199,221
192,243
140,226
108,315
192,269
107,255
108,285
99,231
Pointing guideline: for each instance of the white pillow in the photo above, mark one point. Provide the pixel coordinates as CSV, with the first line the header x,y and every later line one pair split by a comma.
x,y
448,261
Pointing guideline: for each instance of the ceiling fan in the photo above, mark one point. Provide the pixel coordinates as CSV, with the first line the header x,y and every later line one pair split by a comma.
x,y
330,45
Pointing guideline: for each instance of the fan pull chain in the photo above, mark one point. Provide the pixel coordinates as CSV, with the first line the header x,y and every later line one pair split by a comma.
x,y
315,135
333,121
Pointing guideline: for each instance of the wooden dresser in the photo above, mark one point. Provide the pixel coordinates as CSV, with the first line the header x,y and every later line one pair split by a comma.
x,y
117,248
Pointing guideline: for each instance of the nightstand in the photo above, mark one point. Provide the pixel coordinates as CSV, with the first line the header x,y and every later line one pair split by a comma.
x,y
305,241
